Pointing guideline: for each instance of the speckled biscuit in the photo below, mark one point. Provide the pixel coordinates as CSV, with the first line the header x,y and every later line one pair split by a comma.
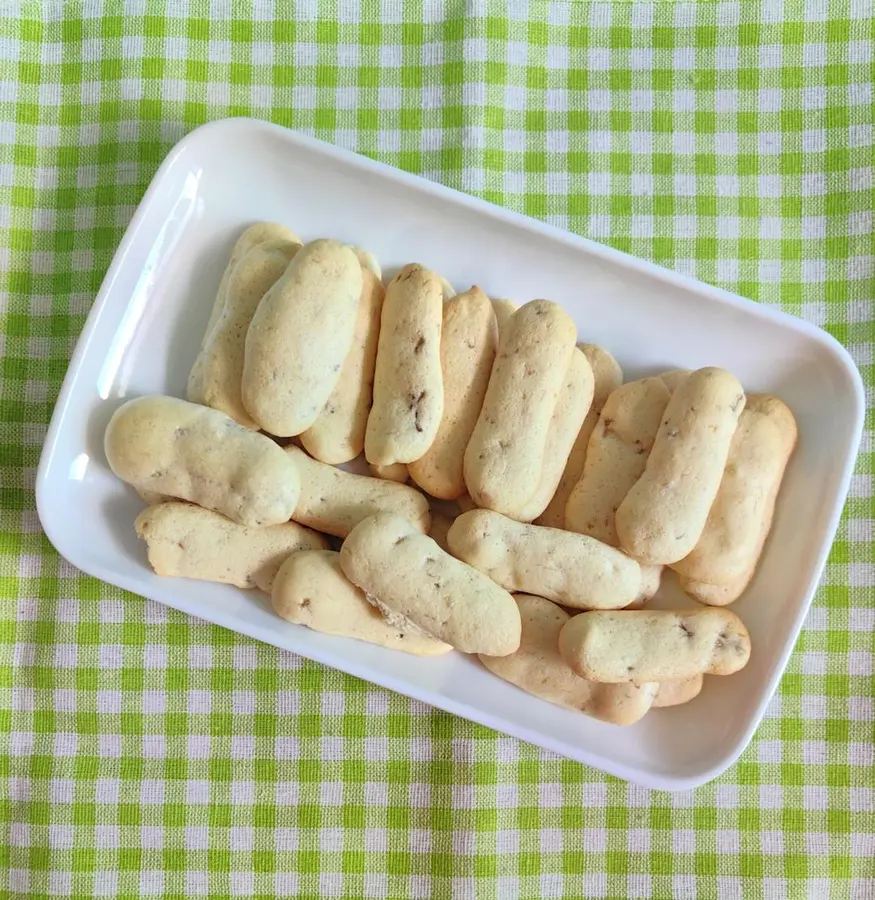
x,y
195,453
188,541
662,517
251,237
571,409
741,515
607,377
408,386
439,527
675,693
619,646
616,456
465,503
674,378
310,589
397,472
407,575
571,569
300,337
368,261
335,501
503,309
338,434
469,337
505,455
221,358
538,669
447,290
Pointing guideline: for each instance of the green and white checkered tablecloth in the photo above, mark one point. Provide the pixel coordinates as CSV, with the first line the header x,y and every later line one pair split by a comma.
x,y
146,754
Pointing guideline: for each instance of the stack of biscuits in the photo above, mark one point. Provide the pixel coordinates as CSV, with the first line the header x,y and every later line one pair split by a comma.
x,y
522,502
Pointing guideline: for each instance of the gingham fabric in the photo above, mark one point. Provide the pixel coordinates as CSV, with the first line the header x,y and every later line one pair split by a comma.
x,y
146,754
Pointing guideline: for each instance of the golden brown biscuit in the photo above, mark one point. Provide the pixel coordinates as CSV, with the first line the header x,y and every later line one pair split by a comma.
x,y
538,668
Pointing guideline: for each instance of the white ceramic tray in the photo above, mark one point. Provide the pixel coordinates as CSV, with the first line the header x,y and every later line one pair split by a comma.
x,y
147,321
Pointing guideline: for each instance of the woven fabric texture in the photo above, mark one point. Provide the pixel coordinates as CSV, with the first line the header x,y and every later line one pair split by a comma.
x,y
146,754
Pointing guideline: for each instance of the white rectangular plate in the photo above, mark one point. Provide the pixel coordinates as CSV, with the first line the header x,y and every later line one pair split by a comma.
x,y
148,319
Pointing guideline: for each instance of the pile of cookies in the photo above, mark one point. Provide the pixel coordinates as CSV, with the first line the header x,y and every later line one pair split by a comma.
x,y
522,501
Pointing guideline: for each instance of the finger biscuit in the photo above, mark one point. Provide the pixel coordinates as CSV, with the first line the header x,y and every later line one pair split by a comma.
x,y
538,669
310,589
447,290
662,517
615,457
675,693
334,501
619,646
437,530
408,387
571,409
368,261
251,237
505,455
179,449
299,338
469,336
407,574
503,310
338,434
673,378
394,472
741,515
188,541
221,358
607,377
571,569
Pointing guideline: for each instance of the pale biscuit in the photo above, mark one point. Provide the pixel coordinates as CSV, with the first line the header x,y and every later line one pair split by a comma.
x,y
251,237
616,456
674,693
607,377
407,574
408,386
662,517
338,435
674,378
221,358
741,515
469,337
503,309
299,338
335,501
716,594
437,530
368,261
188,541
572,569
310,589
538,669
172,447
465,503
397,472
619,646
505,455
571,409
447,290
